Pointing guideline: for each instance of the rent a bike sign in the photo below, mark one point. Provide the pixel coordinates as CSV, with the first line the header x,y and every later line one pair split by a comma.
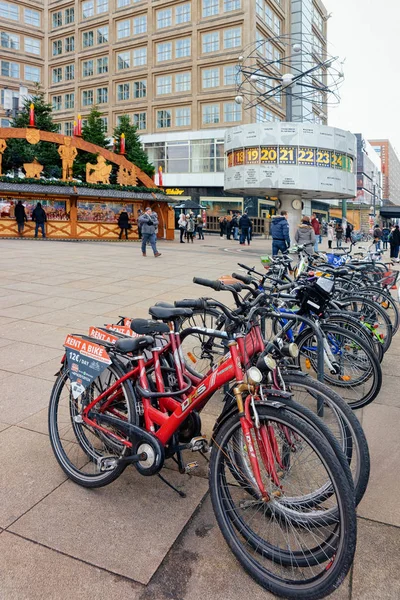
x,y
86,361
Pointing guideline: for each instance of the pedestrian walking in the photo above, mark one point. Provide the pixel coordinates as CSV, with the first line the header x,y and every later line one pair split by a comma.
x,y
245,227
330,234
222,226
228,229
124,224
20,216
317,230
235,227
385,237
200,225
190,228
149,224
280,233
394,241
139,229
182,226
305,234
339,235
377,237
40,218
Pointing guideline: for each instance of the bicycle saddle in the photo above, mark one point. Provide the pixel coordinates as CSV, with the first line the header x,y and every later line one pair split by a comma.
x,y
147,327
134,344
169,314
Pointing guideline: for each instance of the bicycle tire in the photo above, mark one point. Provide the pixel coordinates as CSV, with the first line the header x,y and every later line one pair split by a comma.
x,y
269,564
76,439
383,296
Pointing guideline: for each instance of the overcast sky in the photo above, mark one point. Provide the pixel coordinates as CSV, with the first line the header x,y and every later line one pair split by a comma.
x,y
366,33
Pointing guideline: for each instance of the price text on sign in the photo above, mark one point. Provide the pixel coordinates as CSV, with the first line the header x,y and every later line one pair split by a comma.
x,y
306,156
288,155
269,154
252,156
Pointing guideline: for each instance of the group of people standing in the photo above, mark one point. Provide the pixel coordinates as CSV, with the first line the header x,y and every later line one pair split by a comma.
x,y
239,228
387,235
189,225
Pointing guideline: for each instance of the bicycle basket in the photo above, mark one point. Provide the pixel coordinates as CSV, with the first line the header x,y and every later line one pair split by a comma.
x,y
315,296
335,260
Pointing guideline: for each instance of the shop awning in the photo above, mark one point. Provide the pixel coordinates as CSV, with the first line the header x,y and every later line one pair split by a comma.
x,y
390,212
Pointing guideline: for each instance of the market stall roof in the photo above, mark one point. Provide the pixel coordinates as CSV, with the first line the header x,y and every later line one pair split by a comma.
x,y
190,204
66,190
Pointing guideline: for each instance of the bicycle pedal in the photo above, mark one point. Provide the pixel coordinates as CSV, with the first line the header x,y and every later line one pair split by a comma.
x,y
198,444
107,463
190,467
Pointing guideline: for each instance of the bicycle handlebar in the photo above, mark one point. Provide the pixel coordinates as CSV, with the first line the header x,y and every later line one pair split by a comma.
x,y
244,278
214,285
200,303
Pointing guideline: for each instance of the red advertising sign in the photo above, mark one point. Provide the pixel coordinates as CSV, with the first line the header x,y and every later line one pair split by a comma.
x,y
94,332
122,329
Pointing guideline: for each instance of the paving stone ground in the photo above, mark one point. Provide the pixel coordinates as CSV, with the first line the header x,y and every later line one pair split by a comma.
x,y
137,538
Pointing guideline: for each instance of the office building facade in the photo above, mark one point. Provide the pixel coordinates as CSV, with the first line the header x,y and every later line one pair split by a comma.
x,y
390,171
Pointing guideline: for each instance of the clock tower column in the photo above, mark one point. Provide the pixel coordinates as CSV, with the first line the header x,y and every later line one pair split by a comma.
x,y
294,206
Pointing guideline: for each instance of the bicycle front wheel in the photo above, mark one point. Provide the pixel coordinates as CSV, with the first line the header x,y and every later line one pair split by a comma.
x,y
277,542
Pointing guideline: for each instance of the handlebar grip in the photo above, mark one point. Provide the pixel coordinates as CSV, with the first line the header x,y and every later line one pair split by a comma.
x,y
238,287
245,278
214,285
188,303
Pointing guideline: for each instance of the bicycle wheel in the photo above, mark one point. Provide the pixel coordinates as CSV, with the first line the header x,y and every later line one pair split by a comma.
x,y
346,321
78,447
341,421
276,541
199,351
386,301
358,376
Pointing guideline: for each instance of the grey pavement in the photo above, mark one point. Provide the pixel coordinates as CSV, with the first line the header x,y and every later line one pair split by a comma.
x,y
137,538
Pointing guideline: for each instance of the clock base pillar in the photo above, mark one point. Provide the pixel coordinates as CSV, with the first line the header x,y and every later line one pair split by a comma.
x,y
294,215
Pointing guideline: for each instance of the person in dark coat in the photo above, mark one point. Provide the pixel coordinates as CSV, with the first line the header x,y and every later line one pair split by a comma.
x,y
280,233
245,228
385,237
222,226
394,240
20,216
123,224
339,235
40,218
235,227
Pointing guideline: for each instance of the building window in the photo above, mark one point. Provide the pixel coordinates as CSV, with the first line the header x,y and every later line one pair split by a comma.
x,y
164,18
211,42
183,82
102,6
123,60
232,112
210,78
182,117
57,47
69,15
87,39
32,73
102,35
9,40
70,72
140,57
32,45
231,73
102,65
102,95
9,11
140,24
210,8
32,17
57,75
123,29
123,91
87,97
87,9
104,121
318,20
277,25
140,88
70,100
57,102
122,3
210,114
164,51
9,69
68,128
163,119
87,68
182,48
230,5
57,19
164,85
232,38
183,13
70,44
139,120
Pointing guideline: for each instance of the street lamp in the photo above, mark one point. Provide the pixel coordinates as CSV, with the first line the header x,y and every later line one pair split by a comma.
x,y
373,179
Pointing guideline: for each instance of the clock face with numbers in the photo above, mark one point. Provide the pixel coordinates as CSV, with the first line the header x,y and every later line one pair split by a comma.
x,y
297,204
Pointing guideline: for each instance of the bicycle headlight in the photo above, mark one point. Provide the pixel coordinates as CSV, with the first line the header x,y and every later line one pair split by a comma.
x,y
293,350
270,362
254,376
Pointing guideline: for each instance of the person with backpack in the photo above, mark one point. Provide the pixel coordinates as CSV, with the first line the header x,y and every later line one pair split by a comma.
x,y
20,216
377,237
385,237
40,218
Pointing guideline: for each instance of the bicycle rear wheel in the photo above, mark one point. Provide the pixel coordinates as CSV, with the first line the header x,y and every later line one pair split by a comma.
x,y
277,542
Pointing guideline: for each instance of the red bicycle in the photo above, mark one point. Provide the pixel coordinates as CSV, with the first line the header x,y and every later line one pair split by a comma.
x,y
280,496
